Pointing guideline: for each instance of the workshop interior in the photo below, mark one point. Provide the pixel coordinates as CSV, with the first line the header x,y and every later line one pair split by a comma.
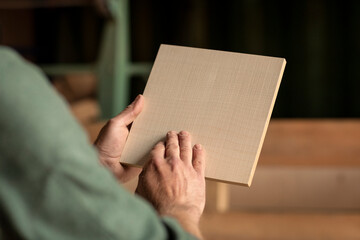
x,y
98,55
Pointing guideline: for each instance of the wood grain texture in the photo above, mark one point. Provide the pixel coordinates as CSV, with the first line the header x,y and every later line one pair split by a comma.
x,y
223,99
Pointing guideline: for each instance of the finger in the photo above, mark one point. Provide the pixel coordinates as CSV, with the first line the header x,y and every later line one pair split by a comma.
x,y
199,159
157,154
185,147
172,145
131,112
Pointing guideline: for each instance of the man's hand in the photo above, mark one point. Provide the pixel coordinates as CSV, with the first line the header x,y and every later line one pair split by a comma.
x,y
111,141
173,180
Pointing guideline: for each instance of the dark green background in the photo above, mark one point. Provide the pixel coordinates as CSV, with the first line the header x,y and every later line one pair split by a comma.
x,y
319,39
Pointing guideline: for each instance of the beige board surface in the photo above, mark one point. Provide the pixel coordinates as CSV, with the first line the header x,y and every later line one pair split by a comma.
x,y
223,99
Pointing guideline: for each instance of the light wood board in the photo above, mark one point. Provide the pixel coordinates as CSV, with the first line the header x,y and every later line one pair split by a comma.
x,y
223,99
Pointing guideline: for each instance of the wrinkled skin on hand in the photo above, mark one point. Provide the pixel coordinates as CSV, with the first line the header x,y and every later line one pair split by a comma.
x,y
173,179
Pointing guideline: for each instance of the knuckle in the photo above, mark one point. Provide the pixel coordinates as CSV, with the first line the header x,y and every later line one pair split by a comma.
x,y
185,148
172,146
156,160
174,161
116,121
129,108
112,121
175,165
196,163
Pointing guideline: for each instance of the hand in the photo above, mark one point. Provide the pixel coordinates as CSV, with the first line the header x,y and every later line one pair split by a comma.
x,y
111,141
173,180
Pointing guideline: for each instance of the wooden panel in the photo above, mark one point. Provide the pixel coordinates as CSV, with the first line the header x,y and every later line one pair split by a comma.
x,y
224,99
300,188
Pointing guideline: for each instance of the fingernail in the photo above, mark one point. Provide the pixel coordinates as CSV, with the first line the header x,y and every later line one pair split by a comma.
x,y
198,146
184,133
171,133
136,99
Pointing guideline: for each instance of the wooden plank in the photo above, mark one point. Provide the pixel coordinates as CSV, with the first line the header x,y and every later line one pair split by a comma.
x,y
281,226
224,99
300,188
312,142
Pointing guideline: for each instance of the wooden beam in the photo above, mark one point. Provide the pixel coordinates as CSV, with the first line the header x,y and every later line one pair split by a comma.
x,y
312,142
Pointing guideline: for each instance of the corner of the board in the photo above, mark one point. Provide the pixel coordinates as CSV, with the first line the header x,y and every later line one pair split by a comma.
x,y
248,184
164,45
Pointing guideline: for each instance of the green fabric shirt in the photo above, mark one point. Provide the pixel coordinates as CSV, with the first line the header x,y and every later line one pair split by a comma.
x,y
51,183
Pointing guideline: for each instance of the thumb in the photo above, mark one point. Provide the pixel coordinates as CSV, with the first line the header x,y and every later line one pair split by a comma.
x,y
131,112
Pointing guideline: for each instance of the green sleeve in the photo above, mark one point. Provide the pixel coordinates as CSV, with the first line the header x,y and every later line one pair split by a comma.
x,y
51,184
